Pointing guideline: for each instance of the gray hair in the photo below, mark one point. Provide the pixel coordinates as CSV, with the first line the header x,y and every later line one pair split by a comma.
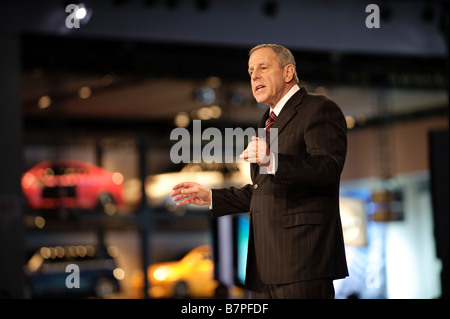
x,y
285,56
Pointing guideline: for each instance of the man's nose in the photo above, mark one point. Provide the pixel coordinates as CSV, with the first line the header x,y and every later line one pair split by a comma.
x,y
255,75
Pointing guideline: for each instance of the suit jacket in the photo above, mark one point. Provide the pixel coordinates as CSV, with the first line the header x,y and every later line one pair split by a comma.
x,y
295,226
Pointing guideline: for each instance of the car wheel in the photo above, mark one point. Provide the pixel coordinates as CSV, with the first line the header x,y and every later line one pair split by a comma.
x,y
106,204
103,288
28,291
180,290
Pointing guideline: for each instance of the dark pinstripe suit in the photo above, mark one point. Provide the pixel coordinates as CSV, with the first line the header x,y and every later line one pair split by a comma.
x,y
295,228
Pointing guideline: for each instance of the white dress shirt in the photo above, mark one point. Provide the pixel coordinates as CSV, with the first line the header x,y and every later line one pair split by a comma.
x,y
277,109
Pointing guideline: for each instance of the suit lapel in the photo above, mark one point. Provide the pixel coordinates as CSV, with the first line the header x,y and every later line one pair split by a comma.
x,y
283,118
254,168
286,113
289,110
262,121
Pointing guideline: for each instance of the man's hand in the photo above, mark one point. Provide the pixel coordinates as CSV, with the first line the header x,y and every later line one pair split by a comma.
x,y
192,193
257,151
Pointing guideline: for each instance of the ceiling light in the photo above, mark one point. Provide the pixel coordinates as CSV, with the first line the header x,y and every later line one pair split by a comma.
x,y
44,102
350,121
182,119
85,92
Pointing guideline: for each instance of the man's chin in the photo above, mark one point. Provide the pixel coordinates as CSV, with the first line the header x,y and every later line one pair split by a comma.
x,y
261,100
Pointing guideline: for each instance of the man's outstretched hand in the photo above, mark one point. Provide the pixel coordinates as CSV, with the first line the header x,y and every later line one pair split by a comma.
x,y
191,193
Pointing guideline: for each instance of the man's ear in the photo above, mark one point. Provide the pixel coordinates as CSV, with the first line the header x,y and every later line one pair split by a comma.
x,y
288,73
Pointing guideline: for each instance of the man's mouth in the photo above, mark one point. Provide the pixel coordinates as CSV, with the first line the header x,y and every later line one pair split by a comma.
x,y
259,87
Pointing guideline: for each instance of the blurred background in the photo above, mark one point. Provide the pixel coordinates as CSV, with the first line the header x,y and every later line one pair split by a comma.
x,y
90,94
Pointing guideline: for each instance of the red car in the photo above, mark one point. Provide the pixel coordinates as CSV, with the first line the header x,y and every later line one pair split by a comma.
x,y
72,184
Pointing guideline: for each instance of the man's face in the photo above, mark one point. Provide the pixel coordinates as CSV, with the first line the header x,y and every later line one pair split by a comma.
x,y
267,77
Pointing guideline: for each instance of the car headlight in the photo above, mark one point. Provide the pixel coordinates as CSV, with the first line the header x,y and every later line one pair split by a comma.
x,y
117,178
161,273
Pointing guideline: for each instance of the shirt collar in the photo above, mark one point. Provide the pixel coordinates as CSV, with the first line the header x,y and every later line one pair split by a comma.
x,y
277,109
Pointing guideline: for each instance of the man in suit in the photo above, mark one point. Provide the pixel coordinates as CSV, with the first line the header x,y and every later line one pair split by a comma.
x,y
296,246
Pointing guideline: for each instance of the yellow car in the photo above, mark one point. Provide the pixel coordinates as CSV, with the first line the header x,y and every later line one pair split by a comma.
x,y
192,276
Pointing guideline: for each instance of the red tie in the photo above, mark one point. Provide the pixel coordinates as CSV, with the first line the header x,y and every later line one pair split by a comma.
x,y
270,121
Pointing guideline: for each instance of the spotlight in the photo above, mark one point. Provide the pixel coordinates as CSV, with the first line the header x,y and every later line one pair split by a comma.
x,y
80,13
428,14
119,2
270,8
202,5
150,3
172,4
386,14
